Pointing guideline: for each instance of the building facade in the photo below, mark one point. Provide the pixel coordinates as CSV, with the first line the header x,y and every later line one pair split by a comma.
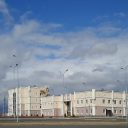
x,y
87,103
26,101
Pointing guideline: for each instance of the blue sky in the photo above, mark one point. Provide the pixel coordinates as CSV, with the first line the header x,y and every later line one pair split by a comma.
x,y
72,14
87,37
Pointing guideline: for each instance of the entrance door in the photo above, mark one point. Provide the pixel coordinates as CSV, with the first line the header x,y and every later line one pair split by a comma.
x,y
108,112
68,108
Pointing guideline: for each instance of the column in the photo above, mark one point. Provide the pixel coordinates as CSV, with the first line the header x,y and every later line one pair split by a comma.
x,y
62,108
53,105
74,105
124,104
29,91
71,103
93,111
112,96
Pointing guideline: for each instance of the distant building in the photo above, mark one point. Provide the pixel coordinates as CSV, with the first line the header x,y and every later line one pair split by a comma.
x,y
33,101
26,101
88,103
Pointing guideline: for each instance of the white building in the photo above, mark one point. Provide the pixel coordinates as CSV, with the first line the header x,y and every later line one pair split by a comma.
x,y
33,101
88,103
28,100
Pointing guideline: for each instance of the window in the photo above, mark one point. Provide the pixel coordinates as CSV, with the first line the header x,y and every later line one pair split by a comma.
x,y
82,112
77,101
90,100
115,111
103,110
114,101
121,111
81,101
108,101
103,101
86,101
120,102
91,110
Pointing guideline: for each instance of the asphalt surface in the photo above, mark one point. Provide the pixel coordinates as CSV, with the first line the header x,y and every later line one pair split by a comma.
x,y
78,126
60,119
62,122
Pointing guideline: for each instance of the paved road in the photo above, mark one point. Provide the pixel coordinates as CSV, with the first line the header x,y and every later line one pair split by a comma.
x,y
79,126
59,119
63,123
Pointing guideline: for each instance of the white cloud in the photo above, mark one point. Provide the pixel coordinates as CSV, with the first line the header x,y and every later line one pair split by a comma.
x,y
42,52
5,12
103,49
81,54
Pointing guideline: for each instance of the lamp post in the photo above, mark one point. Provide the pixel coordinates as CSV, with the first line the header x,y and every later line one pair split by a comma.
x,y
118,81
13,71
84,83
63,92
126,111
16,66
17,69
64,78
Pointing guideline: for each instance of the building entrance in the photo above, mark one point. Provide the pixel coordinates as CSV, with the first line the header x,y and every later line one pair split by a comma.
x,y
108,112
67,108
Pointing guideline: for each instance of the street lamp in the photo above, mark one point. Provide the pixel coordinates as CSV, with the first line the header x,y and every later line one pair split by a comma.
x,y
121,90
64,78
16,66
63,89
17,92
125,69
84,83
14,106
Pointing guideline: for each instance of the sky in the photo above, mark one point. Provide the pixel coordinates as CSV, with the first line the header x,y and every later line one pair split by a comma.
x,y
67,45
